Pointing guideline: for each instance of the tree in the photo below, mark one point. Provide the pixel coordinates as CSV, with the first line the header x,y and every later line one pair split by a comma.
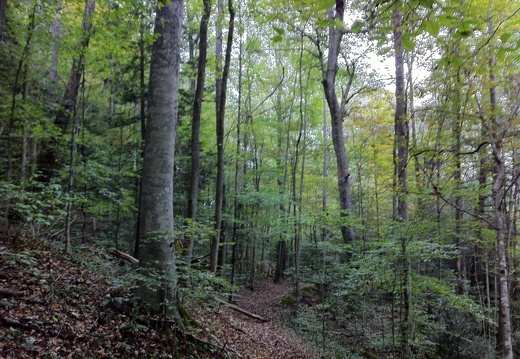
x,y
157,251
195,125
337,113
497,128
401,172
220,99
49,157
3,11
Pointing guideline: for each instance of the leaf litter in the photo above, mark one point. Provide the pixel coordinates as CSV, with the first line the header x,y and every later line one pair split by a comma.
x,y
57,306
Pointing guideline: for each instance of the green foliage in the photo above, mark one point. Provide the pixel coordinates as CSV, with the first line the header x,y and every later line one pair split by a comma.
x,y
36,205
198,286
23,258
432,27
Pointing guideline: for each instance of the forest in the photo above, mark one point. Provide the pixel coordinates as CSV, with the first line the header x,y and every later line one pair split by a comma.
x,y
360,156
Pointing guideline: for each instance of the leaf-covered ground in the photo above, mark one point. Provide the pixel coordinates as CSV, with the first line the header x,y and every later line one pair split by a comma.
x,y
254,338
54,306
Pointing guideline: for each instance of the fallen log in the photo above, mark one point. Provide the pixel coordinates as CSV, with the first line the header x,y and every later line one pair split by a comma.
x,y
243,311
124,256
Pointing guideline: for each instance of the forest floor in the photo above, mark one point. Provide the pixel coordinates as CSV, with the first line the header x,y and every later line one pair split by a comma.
x,y
58,306
254,338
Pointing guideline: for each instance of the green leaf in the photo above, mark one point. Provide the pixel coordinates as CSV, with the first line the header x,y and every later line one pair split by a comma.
x,y
276,39
457,62
408,44
500,54
464,29
357,26
323,4
442,62
279,30
432,28
506,36
428,4
447,20
465,33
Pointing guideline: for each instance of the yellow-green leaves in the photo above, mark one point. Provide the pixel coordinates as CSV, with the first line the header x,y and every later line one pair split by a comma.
x,y
279,34
408,43
357,26
432,28
321,5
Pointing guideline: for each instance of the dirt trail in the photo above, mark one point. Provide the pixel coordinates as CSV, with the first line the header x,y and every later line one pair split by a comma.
x,y
252,338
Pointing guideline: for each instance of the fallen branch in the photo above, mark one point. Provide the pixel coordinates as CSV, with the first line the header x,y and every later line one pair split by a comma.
x,y
124,256
10,293
243,311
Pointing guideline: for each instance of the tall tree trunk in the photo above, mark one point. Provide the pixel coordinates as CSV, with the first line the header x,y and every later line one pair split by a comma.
x,y
282,165
303,134
237,207
496,133
457,177
53,68
337,113
325,170
504,343
215,238
419,178
19,85
142,118
156,252
3,17
71,177
195,124
401,170
297,196
221,88
48,158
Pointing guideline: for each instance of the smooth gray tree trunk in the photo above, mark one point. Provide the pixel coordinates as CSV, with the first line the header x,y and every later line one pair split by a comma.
x,y
156,251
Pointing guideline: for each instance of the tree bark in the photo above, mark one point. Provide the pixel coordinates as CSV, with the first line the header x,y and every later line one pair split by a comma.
x,y
221,87
325,170
142,118
401,171
496,134
457,177
195,124
156,251
237,207
337,113
53,68
282,166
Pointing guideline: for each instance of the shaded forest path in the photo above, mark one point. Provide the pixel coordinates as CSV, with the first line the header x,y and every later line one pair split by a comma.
x,y
253,338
